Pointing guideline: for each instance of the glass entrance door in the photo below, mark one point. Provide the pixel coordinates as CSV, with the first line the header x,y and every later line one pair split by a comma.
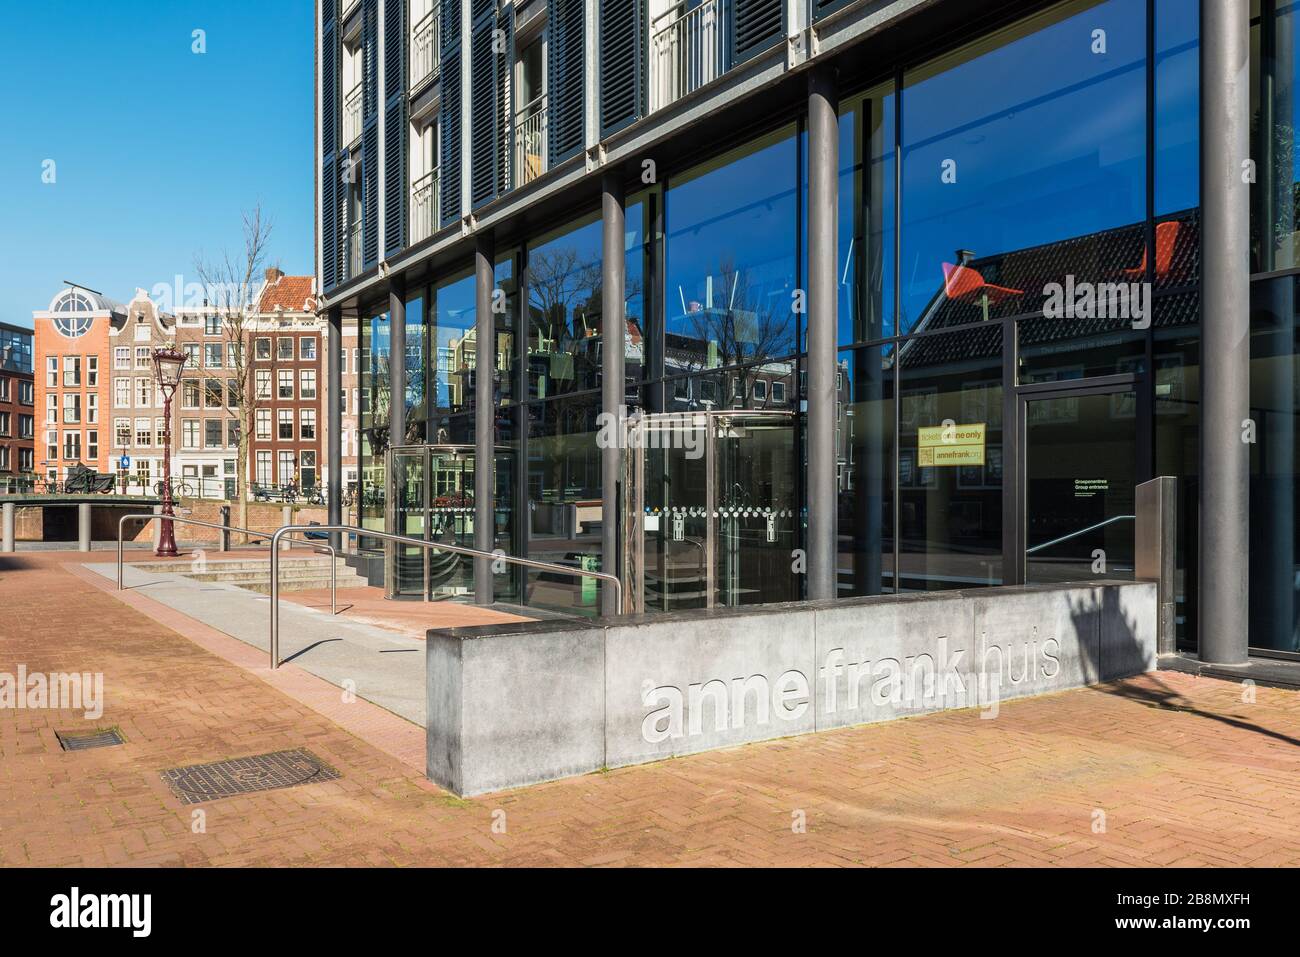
x,y
711,510
410,508
432,498
1080,465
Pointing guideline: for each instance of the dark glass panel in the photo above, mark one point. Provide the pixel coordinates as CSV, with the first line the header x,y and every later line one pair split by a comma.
x,y
866,470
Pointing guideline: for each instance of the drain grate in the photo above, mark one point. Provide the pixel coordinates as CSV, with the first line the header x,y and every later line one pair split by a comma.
x,y
82,740
261,772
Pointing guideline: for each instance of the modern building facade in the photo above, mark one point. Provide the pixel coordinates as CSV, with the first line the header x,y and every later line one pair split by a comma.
x,y
17,407
929,286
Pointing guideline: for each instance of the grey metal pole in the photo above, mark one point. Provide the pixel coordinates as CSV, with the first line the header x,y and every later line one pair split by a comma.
x,y
484,415
396,399
823,212
83,526
612,362
1225,333
7,535
334,423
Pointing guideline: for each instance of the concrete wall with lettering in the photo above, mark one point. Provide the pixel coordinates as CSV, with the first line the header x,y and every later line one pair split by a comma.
x,y
516,704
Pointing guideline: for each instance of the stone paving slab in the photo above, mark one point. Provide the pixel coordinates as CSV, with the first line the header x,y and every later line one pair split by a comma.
x,y
374,663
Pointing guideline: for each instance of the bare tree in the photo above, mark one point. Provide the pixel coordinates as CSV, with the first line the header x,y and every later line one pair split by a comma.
x,y
230,282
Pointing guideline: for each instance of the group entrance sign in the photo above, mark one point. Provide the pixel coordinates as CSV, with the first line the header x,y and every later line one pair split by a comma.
x,y
950,444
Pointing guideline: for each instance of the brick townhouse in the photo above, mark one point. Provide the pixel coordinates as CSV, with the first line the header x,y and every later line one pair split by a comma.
x,y
17,405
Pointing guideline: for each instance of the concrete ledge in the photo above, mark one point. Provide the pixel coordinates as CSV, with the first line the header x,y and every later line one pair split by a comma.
x,y
515,704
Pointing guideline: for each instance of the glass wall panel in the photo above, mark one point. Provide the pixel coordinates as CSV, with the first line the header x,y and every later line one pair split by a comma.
x,y
1014,144
731,258
866,217
638,299
1177,361
416,410
770,386
564,281
1274,377
1178,104
564,501
375,396
506,322
950,515
451,352
1274,108
866,470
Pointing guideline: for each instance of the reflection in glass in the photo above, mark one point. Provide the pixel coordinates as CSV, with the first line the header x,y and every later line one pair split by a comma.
x,y
730,259
1027,137
1178,106
866,470
866,218
375,397
564,283
950,516
1276,190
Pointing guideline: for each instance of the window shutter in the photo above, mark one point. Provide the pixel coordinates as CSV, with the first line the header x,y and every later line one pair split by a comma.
x,y
329,255
370,59
490,91
622,63
449,114
396,129
565,81
370,193
329,90
756,25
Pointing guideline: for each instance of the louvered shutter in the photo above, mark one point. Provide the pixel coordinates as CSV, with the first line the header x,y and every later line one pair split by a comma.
x,y
329,118
505,100
491,102
622,63
565,82
756,25
342,212
396,128
329,254
449,114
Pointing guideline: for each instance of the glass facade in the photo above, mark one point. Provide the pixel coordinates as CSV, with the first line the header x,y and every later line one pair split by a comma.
x,y
1018,321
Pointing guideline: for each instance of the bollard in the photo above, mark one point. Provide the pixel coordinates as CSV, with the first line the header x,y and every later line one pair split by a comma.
x,y
156,528
83,526
224,536
286,518
7,537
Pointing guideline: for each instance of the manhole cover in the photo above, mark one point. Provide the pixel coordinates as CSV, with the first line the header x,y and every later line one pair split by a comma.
x,y
261,772
81,740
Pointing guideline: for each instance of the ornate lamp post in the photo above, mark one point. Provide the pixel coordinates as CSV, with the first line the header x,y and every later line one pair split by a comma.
x,y
167,364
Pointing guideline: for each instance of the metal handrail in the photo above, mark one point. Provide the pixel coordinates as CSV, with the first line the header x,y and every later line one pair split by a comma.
x,y
408,540
334,555
1082,531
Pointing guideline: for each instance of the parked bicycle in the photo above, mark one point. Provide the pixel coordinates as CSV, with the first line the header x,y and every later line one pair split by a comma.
x,y
180,488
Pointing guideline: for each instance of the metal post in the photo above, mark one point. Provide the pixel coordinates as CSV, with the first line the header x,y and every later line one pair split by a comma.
x,y
484,415
396,401
286,516
7,535
1225,335
83,527
224,538
334,423
613,332
823,212
167,536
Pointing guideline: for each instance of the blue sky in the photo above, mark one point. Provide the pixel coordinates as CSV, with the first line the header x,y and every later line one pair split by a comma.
x,y
157,149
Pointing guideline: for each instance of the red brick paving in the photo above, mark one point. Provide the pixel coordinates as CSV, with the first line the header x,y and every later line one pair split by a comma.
x,y
1184,770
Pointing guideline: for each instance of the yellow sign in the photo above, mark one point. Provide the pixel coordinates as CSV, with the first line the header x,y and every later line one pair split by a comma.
x,y
950,445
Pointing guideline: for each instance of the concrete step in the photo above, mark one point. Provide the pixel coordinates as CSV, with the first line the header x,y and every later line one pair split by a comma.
x,y
263,564
253,575
303,584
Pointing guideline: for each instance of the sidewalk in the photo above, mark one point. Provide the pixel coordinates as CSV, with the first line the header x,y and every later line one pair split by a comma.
x,y
1167,769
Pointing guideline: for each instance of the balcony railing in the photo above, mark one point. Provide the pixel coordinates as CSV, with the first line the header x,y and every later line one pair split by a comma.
x,y
424,206
530,141
687,50
424,47
354,250
352,115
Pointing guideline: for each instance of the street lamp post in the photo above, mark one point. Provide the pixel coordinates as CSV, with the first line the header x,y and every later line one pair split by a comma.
x,y
167,363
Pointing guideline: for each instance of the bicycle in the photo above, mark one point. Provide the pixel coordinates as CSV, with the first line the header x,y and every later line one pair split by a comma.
x,y
180,488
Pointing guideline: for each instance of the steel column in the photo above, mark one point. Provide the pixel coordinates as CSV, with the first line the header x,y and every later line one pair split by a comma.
x,y
823,213
613,332
334,422
1225,329
484,415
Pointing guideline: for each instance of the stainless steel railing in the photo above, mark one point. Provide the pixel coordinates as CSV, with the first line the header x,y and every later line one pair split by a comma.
x,y
1082,531
334,555
408,540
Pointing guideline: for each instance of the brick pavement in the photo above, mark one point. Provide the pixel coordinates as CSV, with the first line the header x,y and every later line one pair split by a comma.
x,y
1184,770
